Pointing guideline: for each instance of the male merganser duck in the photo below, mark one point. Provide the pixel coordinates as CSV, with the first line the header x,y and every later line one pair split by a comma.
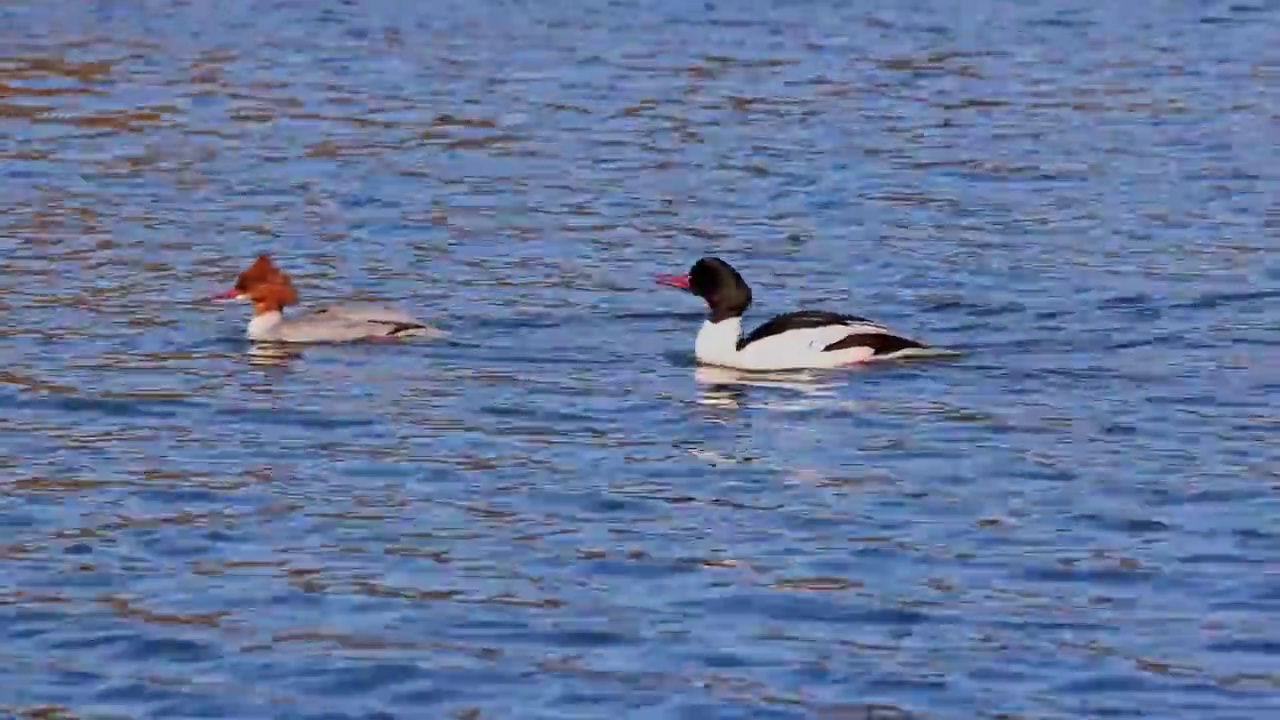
x,y
805,339
270,290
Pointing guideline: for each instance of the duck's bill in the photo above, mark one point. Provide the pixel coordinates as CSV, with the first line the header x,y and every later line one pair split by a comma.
x,y
227,296
675,281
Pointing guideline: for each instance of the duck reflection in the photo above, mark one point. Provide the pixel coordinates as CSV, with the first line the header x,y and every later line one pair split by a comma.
x,y
271,354
726,387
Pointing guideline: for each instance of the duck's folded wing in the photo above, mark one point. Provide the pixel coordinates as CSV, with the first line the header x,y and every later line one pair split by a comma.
x,y
810,328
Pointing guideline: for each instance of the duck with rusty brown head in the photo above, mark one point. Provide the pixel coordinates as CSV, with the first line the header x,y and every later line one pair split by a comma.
x,y
270,291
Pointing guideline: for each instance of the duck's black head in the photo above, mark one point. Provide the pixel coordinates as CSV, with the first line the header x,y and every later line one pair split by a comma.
x,y
715,281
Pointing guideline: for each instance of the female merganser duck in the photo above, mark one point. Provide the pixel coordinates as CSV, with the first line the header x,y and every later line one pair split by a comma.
x,y
805,339
270,290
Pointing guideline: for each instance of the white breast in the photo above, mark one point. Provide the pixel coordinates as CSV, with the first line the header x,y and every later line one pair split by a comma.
x,y
264,326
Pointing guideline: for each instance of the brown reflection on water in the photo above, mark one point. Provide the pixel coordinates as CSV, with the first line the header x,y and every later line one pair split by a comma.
x,y
129,608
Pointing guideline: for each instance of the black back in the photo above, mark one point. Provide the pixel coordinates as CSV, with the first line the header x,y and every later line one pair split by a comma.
x,y
800,320
880,343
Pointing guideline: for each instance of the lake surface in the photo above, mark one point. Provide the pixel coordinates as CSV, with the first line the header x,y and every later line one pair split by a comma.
x,y
556,513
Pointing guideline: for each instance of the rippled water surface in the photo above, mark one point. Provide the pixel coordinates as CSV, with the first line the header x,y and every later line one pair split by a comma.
x,y
555,513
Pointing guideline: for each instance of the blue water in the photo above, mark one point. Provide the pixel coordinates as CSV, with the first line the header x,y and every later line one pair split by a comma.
x,y
556,514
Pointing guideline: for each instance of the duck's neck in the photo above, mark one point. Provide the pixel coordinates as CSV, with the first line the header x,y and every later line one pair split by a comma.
x,y
717,342
262,324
